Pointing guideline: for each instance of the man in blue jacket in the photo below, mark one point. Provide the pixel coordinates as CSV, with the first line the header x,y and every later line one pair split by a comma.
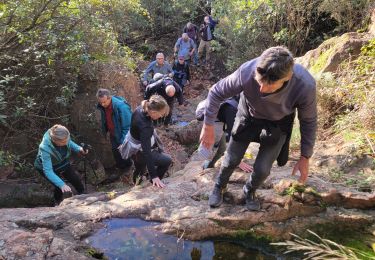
x,y
115,120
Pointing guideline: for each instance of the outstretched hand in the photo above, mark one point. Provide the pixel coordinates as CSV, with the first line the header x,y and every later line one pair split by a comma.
x,y
303,167
157,183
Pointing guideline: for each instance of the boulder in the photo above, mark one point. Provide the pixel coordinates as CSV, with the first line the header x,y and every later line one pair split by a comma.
x,y
188,134
24,193
183,205
331,53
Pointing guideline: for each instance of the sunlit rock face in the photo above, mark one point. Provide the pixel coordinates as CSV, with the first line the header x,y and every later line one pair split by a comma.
x,y
183,207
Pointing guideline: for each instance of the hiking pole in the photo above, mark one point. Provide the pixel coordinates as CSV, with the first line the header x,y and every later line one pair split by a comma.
x,y
86,147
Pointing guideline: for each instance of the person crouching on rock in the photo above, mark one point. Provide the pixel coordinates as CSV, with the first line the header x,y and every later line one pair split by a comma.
x,y
142,143
169,90
53,160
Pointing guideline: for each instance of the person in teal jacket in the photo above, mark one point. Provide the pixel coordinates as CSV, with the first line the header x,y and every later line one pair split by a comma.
x,y
115,119
53,160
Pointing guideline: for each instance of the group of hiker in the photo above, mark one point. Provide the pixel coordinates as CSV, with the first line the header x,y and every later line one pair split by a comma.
x,y
257,103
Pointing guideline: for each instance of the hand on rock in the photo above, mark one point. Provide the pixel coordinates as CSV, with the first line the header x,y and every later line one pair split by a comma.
x,y
245,167
303,167
66,188
157,183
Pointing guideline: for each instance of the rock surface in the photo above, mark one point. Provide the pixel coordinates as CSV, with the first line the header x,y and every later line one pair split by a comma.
x,y
331,53
60,232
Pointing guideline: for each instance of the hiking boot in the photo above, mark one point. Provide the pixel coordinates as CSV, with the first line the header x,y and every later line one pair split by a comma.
x,y
216,197
252,202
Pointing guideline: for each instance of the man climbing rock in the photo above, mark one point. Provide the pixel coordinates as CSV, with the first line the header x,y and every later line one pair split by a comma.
x,y
168,89
184,47
160,65
192,31
115,121
272,87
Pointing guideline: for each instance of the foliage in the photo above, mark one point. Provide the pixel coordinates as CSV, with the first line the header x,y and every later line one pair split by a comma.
x,y
43,45
322,249
6,158
169,15
346,100
249,27
348,14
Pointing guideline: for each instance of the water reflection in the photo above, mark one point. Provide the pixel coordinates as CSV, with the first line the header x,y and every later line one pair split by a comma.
x,y
137,239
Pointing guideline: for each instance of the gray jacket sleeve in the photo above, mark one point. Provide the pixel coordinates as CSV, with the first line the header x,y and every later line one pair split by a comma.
x,y
169,69
225,88
148,70
307,115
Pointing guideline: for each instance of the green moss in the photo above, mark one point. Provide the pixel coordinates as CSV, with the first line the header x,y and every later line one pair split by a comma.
x,y
250,234
95,254
319,64
296,187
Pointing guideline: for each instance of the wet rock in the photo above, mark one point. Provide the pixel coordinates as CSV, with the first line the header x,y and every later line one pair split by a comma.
x,y
63,248
81,230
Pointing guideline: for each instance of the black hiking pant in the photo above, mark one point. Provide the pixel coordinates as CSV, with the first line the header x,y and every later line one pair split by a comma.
x,y
71,176
226,114
168,118
246,130
162,162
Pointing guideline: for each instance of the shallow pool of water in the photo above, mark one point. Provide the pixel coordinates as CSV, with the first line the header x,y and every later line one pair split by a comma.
x,y
137,239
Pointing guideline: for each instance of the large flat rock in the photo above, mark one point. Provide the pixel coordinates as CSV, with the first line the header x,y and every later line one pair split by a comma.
x,y
40,233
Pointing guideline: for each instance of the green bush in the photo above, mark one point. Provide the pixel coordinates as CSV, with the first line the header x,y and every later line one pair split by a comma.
x,y
43,45
249,27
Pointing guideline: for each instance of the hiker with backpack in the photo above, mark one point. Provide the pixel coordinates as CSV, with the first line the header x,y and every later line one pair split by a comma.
x,y
206,31
143,144
115,121
169,90
160,65
193,33
181,72
184,47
